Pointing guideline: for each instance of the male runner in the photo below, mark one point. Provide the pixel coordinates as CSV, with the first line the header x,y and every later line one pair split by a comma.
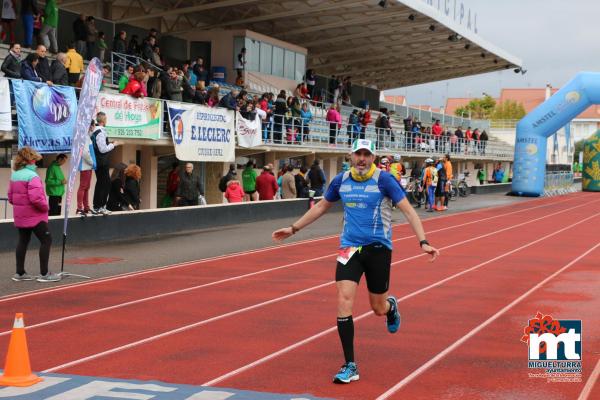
x,y
368,195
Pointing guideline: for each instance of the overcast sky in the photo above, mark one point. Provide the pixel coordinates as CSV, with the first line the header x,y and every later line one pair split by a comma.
x,y
555,39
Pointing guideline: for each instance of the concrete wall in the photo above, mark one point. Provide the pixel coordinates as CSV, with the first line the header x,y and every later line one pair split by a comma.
x,y
152,223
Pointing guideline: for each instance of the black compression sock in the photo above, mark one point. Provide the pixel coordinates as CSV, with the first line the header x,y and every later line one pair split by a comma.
x,y
345,327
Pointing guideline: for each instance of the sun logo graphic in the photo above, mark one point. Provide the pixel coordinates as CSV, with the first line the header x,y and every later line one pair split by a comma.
x,y
572,97
553,340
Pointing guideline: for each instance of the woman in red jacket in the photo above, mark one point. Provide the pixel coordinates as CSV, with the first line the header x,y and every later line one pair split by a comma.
x,y
135,87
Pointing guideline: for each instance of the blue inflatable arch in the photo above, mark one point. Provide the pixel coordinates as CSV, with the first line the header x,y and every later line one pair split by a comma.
x,y
533,130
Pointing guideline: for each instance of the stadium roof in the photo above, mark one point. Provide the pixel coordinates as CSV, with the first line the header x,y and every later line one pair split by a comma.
x,y
386,44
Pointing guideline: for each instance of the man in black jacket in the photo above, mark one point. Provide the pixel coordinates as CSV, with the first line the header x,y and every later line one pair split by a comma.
x,y
189,188
11,66
119,44
58,71
102,149
43,66
80,32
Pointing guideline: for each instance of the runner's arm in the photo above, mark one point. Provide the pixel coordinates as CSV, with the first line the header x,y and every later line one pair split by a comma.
x,y
308,218
415,223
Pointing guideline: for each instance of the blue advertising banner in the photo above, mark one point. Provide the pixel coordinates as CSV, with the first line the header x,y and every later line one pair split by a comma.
x,y
46,116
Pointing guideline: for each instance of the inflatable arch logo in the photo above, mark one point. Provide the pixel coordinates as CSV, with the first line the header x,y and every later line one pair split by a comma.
x,y
534,129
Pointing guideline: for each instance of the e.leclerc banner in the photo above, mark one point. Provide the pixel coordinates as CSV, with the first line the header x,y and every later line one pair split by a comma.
x,y
131,118
46,116
202,133
85,112
5,113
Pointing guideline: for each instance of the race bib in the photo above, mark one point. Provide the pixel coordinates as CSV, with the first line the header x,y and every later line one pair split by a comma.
x,y
346,253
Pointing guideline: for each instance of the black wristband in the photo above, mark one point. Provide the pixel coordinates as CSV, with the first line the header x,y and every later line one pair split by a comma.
x,y
294,229
422,242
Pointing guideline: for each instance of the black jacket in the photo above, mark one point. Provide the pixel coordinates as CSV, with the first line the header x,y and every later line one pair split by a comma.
x,y
119,45
131,193
189,187
59,73
147,51
29,7
116,197
11,66
80,30
43,69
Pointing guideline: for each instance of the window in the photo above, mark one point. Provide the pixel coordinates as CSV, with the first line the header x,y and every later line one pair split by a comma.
x,y
252,54
289,64
277,61
300,66
238,44
266,58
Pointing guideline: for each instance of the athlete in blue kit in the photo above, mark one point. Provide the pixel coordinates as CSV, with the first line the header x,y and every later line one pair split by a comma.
x,y
368,195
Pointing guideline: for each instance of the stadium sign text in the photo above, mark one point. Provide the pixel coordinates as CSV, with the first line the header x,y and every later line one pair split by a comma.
x,y
456,10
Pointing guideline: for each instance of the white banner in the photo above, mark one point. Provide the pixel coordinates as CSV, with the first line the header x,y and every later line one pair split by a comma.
x,y
202,133
5,114
249,132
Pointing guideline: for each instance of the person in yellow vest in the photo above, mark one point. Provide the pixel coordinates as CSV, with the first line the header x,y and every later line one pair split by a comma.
x,y
397,168
430,180
74,64
449,177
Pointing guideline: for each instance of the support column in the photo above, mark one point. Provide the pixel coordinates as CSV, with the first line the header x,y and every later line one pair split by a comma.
x,y
330,168
214,172
270,159
149,182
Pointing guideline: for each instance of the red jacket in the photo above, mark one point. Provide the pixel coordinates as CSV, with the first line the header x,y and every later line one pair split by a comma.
x,y
135,88
234,192
437,130
266,186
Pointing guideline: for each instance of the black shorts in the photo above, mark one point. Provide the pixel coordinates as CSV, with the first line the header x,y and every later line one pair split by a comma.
x,y
250,192
440,189
374,261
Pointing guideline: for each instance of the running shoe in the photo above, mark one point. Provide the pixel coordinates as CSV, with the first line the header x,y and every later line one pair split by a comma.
x,y
393,322
347,374
49,277
24,277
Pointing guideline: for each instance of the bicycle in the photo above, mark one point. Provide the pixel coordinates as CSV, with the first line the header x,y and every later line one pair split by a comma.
x,y
463,187
452,191
414,189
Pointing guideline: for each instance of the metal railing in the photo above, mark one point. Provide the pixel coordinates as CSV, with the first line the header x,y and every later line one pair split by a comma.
x,y
556,183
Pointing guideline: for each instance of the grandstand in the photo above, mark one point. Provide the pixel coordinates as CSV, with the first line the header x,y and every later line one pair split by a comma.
x,y
374,42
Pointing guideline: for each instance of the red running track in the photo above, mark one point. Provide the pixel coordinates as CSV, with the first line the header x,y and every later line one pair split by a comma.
x,y
264,320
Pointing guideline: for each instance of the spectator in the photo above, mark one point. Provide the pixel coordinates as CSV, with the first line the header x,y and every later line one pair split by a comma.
x,y
91,37
116,200
28,10
28,66
430,180
55,184
353,128
174,89
9,15
102,149
120,43
200,71
30,209
300,181
148,49
383,128
88,164
266,184
124,79
316,178
226,178
131,194
335,122
288,184
280,109
213,96
80,31
37,29
437,131
134,46
74,64
172,184
249,182
311,81
483,138
240,64
135,87
298,91
11,66
332,87
102,46
468,139
365,121
234,192
449,176
154,85
189,189
50,25
459,136
229,101
58,72
156,57
481,175
475,140
106,76
43,66
306,117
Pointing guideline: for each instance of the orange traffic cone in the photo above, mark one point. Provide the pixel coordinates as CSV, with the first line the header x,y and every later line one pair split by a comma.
x,y
17,370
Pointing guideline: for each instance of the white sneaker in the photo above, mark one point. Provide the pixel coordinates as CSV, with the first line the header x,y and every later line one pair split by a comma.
x,y
24,277
49,277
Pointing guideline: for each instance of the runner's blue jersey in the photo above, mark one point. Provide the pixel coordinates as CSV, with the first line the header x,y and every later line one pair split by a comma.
x,y
367,207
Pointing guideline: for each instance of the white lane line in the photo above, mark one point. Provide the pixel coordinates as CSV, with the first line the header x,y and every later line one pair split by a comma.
x,y
242,253
589,385
479,328
238,277
368,313
186,327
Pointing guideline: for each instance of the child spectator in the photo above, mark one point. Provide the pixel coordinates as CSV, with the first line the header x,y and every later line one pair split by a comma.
x,y
234,192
